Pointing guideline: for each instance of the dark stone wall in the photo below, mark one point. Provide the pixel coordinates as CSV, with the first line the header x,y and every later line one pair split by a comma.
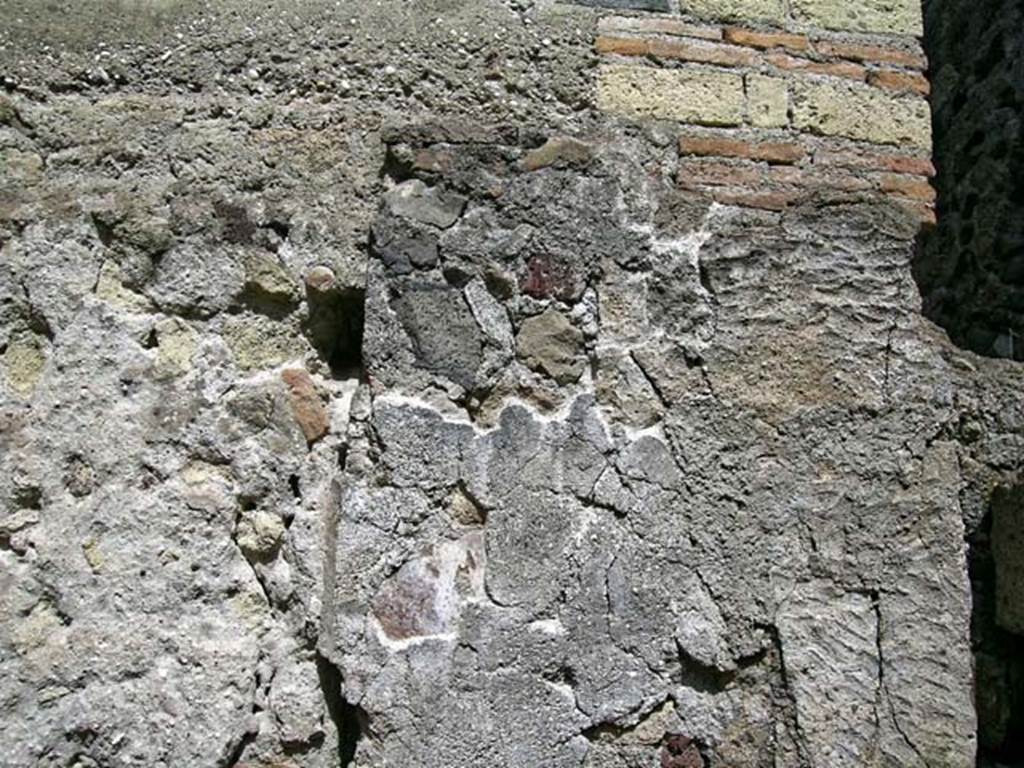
x,y
970,269
971,266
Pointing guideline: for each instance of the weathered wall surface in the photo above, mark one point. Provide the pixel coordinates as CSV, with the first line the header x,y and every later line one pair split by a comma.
x,y
480,383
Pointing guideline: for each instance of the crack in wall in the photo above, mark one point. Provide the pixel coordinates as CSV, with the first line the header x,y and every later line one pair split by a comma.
x,y
883,684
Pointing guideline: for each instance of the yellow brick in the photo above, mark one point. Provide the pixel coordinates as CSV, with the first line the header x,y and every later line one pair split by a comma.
x,y
902,17
687,94
863,113
770,11
767,101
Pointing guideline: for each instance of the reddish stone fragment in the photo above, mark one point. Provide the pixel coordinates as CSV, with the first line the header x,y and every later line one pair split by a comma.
x,y
896,80
680,752
871,53
780,152
755,39
307,407
550,277
845,69
907,186
405,606
693,172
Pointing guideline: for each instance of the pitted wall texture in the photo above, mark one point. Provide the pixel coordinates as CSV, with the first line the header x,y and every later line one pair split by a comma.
x,y
480,384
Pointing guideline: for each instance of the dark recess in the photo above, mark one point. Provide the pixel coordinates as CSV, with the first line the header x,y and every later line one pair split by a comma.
x,y
347,718
335,329
998,662
970,266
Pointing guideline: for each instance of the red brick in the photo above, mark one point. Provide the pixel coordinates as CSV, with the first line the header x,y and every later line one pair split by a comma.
x,y
912,187
918,166
780,152
685,50
834,68
897,80
699,172
705,53
755,39
871,53
787,175
811,178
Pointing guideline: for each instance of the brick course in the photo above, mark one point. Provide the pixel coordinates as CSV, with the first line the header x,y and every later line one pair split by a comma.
x,y
780,152
900,81
871,53
791,112
755,39
845,69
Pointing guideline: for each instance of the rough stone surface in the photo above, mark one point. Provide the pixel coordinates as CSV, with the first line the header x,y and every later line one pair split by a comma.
x,y
616,585
897,17
704,97
768,99
550,344
371,396
765,11
861,112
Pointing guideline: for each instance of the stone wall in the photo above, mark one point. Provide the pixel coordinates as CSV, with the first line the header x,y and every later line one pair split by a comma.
x,y
480,383
826,101
971,269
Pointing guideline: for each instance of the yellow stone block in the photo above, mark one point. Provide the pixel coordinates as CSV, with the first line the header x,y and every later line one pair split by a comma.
x,y
767,101
900,17
688,94
769,11
863,113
